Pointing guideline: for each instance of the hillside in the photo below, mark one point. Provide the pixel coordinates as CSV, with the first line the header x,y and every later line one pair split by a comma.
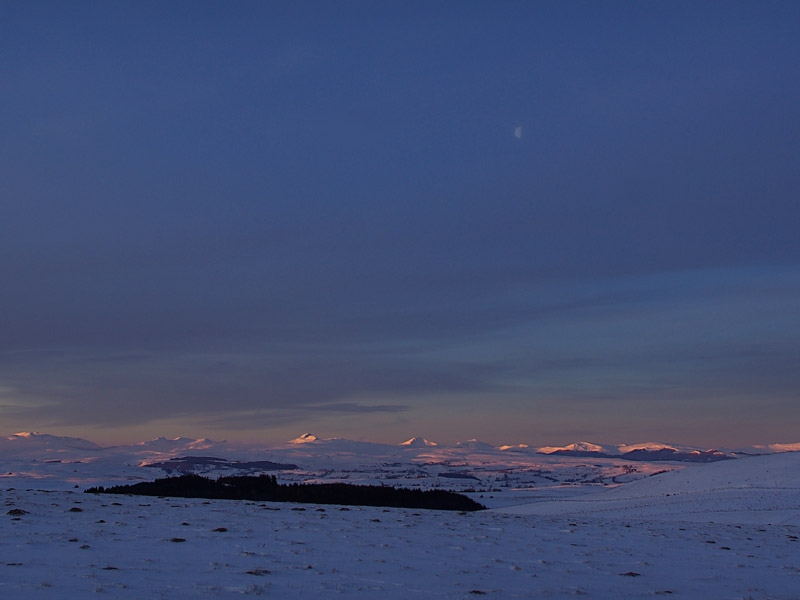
x,y
757,489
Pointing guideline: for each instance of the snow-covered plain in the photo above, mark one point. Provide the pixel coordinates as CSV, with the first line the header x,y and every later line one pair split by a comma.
x,y
722,530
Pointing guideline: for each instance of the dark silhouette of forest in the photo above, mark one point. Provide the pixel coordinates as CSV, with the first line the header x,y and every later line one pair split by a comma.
x,y
265,488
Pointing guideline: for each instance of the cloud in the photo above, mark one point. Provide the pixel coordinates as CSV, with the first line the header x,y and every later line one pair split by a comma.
x,y
607,347
135,389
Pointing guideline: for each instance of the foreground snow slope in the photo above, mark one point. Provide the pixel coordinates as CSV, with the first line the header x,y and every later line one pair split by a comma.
x,y
73,545
56,542
757,489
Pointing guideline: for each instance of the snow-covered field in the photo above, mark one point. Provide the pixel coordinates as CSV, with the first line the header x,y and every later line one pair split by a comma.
x,y
722,530
756,490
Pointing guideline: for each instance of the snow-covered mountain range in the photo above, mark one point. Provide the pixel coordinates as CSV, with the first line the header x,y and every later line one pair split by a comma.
x,y
417,462
45,446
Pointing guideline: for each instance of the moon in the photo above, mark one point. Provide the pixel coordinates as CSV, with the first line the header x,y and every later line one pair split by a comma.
x,y
518,132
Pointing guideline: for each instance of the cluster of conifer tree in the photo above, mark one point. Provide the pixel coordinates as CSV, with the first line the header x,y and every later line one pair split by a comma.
x,y
265,488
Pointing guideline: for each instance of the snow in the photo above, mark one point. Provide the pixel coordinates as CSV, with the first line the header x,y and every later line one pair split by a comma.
x,y
652,446
304,439
720,530
123,547
794,447
621,449
417,442
513,447
475,445
42,444
758,489
579,447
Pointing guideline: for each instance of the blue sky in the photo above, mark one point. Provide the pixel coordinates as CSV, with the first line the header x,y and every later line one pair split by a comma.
x,y
533,222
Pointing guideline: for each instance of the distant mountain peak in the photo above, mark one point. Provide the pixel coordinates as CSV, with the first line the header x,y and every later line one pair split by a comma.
x,y
474,444
176,444
650,447
579,448
163,439
513,447
416,442
203,443
28,441
794,447
35,435
304,439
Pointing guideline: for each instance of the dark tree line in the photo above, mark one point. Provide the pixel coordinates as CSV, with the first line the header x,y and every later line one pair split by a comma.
x,y
266,488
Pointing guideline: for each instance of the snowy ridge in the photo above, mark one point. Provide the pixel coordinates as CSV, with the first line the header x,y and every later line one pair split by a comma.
x,y
583,447
43,445
305,438
648,451
475,446
654,447
514,448
45,440
795,447
417,442
756,489
177,444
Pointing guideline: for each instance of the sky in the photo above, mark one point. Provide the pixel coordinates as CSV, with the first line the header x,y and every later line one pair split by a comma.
x,y
522,222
